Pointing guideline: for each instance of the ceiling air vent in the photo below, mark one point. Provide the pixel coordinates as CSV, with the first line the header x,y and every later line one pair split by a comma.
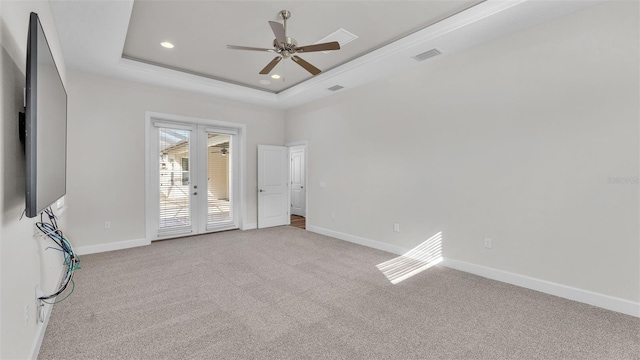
x,y
427,54
342,36
335,88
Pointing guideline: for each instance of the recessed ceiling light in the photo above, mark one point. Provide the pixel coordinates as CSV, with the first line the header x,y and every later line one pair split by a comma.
x,y
167,44
275,76
265,82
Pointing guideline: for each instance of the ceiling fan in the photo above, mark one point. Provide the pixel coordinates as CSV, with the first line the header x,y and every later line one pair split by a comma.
x,y
287,47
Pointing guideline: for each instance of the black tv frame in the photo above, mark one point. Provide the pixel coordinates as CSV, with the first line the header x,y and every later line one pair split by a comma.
x,y
28,126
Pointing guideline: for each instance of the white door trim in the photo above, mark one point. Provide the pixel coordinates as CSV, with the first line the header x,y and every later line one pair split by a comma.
x,y
150,117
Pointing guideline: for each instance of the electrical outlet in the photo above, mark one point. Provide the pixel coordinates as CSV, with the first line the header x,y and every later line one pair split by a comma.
x,y
107,225
396,227
26,314
488,243
60,203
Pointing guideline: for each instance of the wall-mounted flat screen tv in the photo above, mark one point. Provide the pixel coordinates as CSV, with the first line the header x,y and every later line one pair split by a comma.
x,y
45,124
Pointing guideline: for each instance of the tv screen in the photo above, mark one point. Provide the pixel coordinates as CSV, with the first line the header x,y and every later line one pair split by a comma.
x,y
45,124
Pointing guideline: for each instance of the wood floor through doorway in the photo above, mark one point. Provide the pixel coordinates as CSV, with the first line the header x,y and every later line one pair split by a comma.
x,y
298,221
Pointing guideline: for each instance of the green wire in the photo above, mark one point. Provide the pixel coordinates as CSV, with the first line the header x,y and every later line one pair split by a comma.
x,y
73,286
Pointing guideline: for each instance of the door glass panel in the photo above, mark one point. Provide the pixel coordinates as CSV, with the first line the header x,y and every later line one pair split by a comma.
x,y
219,180
175,197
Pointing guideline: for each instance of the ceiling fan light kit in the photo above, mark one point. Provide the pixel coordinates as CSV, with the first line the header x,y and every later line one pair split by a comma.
x,y
287,47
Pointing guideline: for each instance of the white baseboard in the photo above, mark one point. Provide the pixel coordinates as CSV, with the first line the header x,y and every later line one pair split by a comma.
x,y
548,287
35,348
359,240
118,245
249,226
584,296
37,343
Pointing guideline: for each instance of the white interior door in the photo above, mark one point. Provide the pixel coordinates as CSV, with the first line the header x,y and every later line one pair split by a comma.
x,y
273,186
298,190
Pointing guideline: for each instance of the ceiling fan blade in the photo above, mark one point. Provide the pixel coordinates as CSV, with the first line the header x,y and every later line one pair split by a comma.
x,y
278,31
236,47
334,45
310,68
267,69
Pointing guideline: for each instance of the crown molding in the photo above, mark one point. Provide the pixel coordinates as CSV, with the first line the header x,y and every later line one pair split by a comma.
x,y
98,49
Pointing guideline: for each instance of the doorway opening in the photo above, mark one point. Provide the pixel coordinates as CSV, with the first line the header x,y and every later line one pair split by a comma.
x,y
282,187
298,185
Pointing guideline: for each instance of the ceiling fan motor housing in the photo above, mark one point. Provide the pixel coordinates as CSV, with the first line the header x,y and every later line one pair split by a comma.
x,y
287,47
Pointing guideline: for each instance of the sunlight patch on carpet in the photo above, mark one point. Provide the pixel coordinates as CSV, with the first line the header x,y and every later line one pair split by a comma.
x,y
416,260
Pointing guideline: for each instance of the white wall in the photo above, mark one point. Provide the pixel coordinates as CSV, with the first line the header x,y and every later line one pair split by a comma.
x,y
514,140
24,263
107,151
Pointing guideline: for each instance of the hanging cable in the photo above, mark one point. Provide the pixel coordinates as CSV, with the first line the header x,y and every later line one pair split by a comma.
x,y
71,260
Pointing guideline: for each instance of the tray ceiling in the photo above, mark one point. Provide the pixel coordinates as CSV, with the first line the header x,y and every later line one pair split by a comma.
x,y
122,38
200,31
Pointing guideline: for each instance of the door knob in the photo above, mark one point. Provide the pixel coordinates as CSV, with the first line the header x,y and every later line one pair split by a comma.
x,y
261,190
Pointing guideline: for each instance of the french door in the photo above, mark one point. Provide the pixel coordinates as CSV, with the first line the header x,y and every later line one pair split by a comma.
x,y
193,179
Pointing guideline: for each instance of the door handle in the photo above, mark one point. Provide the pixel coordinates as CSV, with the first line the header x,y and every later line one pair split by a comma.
x,y
301,187
261,190
195,193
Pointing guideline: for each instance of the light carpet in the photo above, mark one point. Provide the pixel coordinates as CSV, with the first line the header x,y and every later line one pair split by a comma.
x,y
285,293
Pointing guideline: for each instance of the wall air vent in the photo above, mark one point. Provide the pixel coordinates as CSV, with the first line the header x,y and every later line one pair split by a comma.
x,y
427,54
336,88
